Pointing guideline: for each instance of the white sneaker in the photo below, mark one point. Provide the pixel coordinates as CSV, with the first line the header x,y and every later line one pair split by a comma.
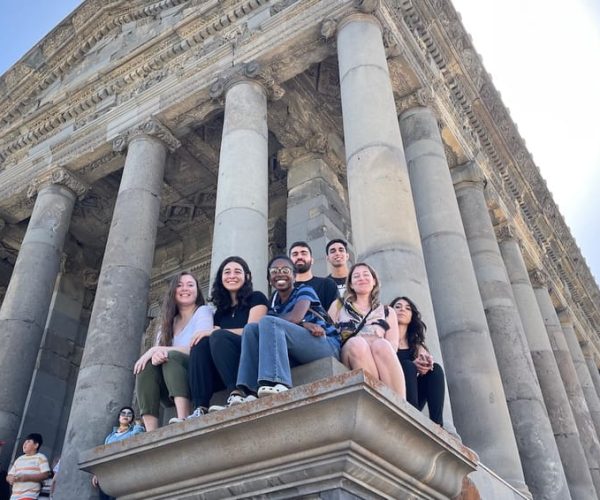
x,y
238,399
198,412
267,390
176,420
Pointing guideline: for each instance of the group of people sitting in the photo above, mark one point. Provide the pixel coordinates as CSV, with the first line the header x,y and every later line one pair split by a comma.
x,y
249,345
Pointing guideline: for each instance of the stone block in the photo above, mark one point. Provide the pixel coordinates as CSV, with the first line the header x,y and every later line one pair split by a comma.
x,y
345,433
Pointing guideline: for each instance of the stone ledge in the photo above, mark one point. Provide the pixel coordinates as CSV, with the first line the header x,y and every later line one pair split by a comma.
x,y
348,433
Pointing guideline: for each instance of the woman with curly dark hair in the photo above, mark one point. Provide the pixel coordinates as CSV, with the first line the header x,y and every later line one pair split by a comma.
x,y
214,359
162,370
424,378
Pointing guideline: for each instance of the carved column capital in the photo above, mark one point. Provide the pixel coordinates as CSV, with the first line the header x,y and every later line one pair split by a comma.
x,y
506,232
468,173
253,71
538,278
316,146
151,127
60,176
566,317
423,97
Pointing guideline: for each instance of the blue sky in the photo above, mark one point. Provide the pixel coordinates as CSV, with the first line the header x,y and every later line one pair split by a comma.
x,y
543,56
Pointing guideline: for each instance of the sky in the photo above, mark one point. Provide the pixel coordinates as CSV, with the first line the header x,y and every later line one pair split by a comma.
x,y
544,58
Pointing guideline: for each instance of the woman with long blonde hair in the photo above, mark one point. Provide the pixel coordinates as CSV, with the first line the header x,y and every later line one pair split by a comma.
x,y
368,328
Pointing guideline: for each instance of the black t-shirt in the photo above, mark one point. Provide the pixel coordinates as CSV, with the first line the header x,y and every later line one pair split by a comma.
x,y
340,283
237,316
325,287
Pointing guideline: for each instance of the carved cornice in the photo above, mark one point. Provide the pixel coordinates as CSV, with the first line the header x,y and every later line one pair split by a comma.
x,y
60,176
152,128
253,71
468,173
538,278
566,317
136,74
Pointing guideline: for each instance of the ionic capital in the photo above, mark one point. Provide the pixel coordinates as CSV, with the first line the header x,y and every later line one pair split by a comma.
x,y
505,232
60,176
423,97
468,173
566,317
252,71
538,278
152,128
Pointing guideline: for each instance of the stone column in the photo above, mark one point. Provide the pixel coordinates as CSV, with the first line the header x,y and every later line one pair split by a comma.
x,y
591,364
583,375
316,204
25,306
105,381
241,213
581,413
565,431
480,412
537,448
382,213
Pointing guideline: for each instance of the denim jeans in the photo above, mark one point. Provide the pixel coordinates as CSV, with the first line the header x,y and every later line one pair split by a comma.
x,y
268,346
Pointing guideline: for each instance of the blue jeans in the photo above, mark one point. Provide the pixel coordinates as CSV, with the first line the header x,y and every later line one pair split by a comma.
x,y
267,347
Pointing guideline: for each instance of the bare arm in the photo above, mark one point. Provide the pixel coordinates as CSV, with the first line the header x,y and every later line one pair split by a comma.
x,y
392,335
334,311
34,478
256,313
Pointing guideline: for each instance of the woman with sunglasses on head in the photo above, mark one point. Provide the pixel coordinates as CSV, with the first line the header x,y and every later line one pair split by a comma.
x,y
214,359
424,378
368,328
162,371
294,329
126,427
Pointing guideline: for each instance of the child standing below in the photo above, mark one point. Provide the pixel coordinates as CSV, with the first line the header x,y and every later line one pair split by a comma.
x,y
29,470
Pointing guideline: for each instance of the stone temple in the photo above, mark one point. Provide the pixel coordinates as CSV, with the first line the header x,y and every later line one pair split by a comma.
x,y
144,137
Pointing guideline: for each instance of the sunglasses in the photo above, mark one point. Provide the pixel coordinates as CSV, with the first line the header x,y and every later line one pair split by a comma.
x,y
286,271
126,413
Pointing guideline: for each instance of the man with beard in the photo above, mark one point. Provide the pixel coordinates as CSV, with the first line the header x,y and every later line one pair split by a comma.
x,y
301,256
337,256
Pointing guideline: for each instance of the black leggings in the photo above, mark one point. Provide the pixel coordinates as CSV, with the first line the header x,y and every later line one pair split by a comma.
x,y
428,388
213,365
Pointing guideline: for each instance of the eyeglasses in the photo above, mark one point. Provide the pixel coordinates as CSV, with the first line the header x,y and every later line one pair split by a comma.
x,y
286,271
126,413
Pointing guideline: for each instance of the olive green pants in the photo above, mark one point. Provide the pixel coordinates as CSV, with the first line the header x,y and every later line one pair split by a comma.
x,y
162,383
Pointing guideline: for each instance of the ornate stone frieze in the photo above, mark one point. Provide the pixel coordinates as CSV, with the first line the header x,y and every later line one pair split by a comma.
x,y
60,176
368,6
470,173
254,71
538,278
316,146
151,127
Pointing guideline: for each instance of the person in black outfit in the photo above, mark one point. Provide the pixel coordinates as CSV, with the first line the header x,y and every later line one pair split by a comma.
x,y
214,360
301,256
337,257
424,378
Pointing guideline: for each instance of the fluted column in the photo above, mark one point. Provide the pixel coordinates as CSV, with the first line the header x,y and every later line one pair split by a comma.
x,y
583,375
591,364
241,213
480,412
537,448
382,213
105,381
565,431
583,419
25,307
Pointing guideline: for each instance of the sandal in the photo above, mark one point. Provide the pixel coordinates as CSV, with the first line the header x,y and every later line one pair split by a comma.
x,y
268,390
